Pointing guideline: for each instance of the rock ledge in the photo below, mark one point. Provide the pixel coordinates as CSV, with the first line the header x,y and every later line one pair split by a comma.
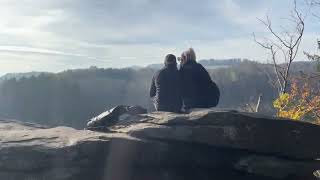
x,y
204,144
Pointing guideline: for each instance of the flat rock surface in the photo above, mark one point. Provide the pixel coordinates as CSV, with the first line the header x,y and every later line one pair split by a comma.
x,y
228,129
204,144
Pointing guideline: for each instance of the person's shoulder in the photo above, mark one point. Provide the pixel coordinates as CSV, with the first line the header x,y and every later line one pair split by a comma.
x,y
161,71
157,73
200,66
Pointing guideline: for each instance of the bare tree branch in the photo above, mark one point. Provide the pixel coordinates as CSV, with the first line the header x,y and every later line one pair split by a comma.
x,y
264,45
287,42
257,109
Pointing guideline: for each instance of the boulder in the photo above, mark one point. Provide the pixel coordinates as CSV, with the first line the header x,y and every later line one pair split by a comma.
x,y
204,144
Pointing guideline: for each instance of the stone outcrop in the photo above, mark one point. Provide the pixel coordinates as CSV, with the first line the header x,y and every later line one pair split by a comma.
x,y
202,145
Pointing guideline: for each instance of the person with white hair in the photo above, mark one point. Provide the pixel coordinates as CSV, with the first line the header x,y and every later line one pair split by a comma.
x,y
198,90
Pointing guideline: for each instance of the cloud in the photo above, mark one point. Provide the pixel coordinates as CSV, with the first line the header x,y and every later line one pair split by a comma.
x,y
19,49
68,34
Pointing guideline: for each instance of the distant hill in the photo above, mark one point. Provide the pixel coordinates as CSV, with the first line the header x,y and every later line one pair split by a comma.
x,y
135,67
305,66
155,66
21,75
221,62
71,97
210,63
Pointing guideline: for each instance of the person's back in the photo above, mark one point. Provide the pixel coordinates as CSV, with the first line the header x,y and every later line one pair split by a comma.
x,y
165,88
198,90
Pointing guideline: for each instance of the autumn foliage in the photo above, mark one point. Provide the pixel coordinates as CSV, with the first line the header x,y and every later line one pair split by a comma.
x,y
302,102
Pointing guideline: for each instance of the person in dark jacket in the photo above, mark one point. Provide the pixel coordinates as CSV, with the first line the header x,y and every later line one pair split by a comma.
x,y
165,88
198,90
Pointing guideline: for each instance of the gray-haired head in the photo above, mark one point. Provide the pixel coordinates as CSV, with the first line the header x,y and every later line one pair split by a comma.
x,y
188,55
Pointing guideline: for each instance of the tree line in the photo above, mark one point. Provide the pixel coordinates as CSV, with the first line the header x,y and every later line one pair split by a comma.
x,y
72,97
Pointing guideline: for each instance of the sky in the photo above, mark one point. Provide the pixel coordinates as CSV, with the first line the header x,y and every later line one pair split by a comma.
x,y
55,35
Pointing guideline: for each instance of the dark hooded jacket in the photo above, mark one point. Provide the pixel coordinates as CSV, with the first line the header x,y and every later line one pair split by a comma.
x,y
165,89
198,90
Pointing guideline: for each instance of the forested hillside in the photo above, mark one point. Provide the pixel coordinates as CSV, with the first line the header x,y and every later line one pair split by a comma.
x,y
72,97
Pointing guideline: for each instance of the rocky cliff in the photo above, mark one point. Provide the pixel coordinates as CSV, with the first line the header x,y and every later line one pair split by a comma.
x,y
202,145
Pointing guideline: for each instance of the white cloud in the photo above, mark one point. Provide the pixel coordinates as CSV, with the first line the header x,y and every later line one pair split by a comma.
x,y
51,35
20,49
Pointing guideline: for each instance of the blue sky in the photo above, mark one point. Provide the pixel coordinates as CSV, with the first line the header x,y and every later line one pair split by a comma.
x,y
54,35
